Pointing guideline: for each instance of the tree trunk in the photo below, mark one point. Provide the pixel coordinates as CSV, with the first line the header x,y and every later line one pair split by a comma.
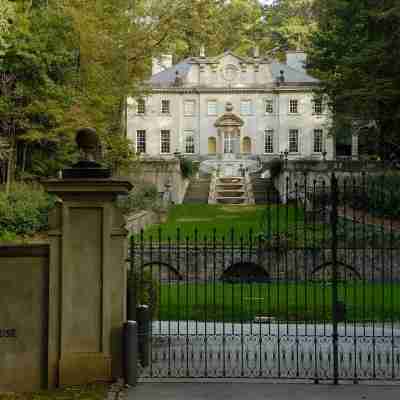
x,y
24,157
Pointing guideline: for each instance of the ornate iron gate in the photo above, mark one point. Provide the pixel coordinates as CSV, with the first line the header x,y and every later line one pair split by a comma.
x,y
314,295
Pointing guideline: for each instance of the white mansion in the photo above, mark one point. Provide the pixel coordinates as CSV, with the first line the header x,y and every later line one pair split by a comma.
x,y
205,106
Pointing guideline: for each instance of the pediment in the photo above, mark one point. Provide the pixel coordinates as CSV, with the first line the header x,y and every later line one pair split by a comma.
x,y
230,58
228,119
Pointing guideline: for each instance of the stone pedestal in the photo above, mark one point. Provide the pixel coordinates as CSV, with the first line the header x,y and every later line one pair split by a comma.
x,y
87,281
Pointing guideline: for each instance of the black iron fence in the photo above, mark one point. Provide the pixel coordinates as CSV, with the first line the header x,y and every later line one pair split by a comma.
x,y
314,294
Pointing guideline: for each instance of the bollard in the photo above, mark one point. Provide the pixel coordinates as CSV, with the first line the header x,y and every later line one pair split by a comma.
x,y
143,319
130,353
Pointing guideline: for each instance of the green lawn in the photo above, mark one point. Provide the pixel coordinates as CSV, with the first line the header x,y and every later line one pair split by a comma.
x,y
284,301
206,217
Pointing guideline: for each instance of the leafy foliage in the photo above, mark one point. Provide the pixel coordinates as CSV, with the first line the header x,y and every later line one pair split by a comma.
x,y
275,167
188,167
356,52
146,288
143,196
24,210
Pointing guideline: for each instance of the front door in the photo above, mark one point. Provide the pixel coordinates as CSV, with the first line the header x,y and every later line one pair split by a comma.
x,y
231,143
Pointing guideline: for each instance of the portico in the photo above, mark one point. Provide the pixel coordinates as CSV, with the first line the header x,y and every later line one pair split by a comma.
x,y
229,132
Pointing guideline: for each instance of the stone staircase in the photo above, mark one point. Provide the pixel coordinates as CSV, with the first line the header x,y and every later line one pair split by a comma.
x,y
264,190
230,190
198,189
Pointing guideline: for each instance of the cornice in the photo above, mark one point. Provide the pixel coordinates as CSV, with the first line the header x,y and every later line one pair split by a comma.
x,y
216,90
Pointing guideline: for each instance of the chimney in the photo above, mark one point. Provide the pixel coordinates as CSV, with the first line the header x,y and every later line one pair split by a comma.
x,y
296,59
161,63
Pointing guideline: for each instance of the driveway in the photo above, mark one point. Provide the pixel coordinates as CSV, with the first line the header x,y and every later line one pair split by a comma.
x,y
260,391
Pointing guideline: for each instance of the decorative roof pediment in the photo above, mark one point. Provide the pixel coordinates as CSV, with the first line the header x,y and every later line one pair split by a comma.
x,y
228,118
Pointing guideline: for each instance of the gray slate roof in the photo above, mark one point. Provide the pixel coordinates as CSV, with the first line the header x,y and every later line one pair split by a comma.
x,y
291,75
167,77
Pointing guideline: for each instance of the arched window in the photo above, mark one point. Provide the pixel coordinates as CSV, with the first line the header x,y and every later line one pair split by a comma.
x,y
212,145
246,145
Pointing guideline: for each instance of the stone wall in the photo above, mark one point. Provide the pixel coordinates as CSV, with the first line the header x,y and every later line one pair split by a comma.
x,y
206,263
163,172
24,299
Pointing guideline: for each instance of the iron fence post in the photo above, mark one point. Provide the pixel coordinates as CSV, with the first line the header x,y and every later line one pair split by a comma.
x,y
334,249
131,283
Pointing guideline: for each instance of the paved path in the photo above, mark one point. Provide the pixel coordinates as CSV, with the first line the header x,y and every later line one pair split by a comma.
x,y
259,391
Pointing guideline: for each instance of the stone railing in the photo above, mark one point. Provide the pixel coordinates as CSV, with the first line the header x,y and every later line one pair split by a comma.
x,y
137,221
212,192
249,189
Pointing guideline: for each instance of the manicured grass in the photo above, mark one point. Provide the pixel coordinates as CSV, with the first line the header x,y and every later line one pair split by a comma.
x,y
205,218
284,301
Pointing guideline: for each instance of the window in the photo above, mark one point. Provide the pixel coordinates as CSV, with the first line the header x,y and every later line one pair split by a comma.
x,y
245,107
318,139
189,143
140,141
293,106
165,141
141,106
165,107
293,141
317,107
269,141
212,145
212,107
246,145
269,106
188,107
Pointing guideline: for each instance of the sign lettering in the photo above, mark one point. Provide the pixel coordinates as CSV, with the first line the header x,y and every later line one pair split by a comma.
x,y
8,333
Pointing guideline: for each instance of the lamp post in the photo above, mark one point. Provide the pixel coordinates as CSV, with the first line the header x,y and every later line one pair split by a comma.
x,y
286,153
178,154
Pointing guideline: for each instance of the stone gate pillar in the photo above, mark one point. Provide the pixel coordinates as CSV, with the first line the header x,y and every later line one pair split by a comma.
x,y
87,277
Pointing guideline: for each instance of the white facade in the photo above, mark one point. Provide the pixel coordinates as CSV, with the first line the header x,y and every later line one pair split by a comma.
x,y
187,99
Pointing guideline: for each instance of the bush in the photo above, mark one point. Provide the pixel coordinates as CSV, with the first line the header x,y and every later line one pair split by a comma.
x,y
383,195
147,290
275,167
188,168
144,196
24,210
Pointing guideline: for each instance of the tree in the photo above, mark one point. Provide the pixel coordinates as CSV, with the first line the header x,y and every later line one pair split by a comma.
x,y
36,65
290,23
355,52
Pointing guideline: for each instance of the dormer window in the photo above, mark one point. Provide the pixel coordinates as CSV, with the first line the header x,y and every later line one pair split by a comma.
x,y
165,107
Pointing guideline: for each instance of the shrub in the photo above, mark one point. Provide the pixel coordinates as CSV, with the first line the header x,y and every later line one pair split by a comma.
x,y
188,167
24,210
383,195
143,196
147,289
275,167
